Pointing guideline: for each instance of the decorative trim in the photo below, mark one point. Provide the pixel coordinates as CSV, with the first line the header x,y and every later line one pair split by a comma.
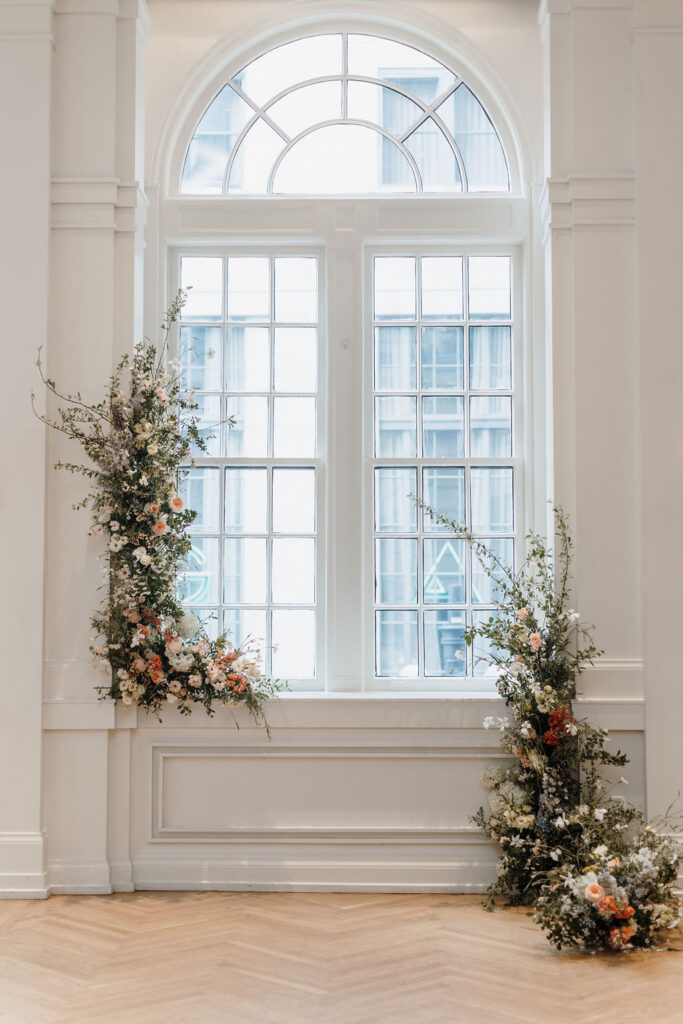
x,y
82,877
96,204
25,22
588,201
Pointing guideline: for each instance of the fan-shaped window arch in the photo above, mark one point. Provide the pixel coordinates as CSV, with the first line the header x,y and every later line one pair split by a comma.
x,y
344,113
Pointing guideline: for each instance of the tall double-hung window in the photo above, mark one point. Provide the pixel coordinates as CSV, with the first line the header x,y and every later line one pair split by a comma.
x,y
347,223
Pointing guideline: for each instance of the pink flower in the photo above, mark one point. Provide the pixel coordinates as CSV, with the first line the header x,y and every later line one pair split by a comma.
x,y
159,528
177,503
174,686
594,892
535,642
522,613
174,645
195,680
138,665
162,396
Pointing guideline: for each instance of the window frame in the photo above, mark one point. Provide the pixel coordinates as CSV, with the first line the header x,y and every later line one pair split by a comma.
x,y
518,461
273,249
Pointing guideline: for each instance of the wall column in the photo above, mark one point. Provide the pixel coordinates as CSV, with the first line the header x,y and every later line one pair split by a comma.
x,y
658,86
98,208
25,66
590,211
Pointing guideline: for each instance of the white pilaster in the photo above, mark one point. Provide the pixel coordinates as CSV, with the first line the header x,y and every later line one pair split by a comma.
x,y
98,209
658,86
590,211
25,69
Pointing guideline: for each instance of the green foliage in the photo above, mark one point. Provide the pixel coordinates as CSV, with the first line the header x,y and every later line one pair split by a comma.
x,y
555,818
136,441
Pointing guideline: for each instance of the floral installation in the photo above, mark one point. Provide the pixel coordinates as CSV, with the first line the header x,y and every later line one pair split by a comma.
x,y
137,441
598,875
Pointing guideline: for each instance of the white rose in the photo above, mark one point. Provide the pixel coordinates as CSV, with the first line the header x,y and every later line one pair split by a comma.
x,y
187,625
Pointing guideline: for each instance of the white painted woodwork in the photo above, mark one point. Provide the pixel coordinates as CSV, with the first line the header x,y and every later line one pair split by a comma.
x,y
355,790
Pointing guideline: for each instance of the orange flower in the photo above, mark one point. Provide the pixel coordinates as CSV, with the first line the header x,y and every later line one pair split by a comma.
x,y
622,911
626,932
159,527
606,905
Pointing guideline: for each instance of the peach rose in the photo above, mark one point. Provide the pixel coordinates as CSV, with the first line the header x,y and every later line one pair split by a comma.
x,y
177,503
594,892
138,665
535,642
159,527
174,645
522,613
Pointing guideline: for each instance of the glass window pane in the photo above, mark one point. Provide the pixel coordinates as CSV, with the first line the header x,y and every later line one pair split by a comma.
x,y
247,359
374,57
434,157
394,288
200,353
293,500
249,436
481,648
209,619
490,426
207,155
484,588
244,570
246,500
443,427
245,626
395,571
305,107
396,644
442,358
294,428
395,358
280,68
296,359
476,138
200,490
199,582
489,287
293,643
296,290
248,288
208,421
491,499
444,571
395,511
252,163
490,362
444,491
343,159
202,278
444,643
390,109
293,570
442,287
395,427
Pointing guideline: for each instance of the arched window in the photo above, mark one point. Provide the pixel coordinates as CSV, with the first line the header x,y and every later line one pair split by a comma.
x,y
344,114
368,340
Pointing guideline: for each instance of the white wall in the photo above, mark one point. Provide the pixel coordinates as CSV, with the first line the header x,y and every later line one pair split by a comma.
x,y
589,86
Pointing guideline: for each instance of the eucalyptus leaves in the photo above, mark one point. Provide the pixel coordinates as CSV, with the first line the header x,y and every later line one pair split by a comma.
x,y
597,874
136,441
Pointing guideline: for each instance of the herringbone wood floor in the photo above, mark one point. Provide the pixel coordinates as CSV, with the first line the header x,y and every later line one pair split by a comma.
x,y
308,958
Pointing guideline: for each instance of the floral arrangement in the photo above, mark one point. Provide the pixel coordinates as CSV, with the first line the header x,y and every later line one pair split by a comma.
x,y
599,876
136,441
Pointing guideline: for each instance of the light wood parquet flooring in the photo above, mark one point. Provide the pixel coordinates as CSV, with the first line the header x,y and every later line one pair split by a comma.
x,y
311,958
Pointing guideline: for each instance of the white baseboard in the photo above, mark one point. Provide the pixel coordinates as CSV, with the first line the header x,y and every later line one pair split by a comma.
x,y
22,866
79,877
